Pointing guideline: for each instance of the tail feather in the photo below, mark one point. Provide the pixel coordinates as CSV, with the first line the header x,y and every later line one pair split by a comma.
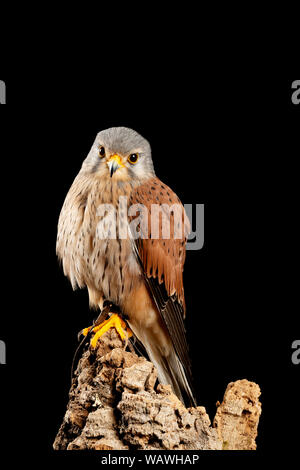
x,y
161,352
171,372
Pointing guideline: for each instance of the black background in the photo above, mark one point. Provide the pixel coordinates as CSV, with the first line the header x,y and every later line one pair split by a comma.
x,y
228,142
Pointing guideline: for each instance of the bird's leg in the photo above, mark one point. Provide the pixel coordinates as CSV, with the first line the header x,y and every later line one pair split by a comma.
x,y
100,327
113,322
100,319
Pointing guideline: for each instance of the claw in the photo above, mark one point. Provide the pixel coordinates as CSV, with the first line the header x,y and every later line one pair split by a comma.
x,y
113,322
83,332
102,316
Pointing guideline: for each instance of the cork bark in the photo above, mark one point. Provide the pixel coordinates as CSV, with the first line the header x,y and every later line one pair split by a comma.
x,y
115,403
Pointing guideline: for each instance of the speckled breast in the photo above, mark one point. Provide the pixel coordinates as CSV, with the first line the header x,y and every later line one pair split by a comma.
x,y
93,239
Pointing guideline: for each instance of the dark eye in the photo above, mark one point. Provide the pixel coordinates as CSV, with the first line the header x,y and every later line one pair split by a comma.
x,y
133,158
101,152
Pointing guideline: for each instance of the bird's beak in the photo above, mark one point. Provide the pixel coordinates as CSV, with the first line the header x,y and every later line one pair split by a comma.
x,y
114,163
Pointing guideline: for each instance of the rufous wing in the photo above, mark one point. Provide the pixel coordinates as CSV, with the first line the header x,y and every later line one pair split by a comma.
x,y
162,258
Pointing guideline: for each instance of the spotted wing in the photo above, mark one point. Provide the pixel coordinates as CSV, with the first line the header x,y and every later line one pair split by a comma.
x,y
162,259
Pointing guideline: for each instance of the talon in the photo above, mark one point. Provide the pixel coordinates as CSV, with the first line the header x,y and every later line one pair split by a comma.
x,y
83,332
113,322
86,331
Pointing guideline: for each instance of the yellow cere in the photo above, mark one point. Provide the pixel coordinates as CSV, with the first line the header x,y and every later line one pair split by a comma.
x,y
117,159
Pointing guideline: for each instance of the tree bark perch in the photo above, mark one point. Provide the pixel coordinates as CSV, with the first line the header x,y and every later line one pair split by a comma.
x,y
114,404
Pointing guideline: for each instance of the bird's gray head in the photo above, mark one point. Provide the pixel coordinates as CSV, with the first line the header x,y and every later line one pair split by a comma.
x,y
120,153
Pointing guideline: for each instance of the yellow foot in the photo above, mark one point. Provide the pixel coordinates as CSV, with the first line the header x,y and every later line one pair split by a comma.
x,y
113,322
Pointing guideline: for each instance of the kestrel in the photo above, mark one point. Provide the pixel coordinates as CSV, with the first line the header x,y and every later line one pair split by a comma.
x,y
140,272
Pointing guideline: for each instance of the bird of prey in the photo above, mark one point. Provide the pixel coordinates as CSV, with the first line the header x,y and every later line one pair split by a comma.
x,y
142,275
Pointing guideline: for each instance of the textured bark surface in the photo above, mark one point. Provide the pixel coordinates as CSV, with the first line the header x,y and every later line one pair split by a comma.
x,y
237,417
114,404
